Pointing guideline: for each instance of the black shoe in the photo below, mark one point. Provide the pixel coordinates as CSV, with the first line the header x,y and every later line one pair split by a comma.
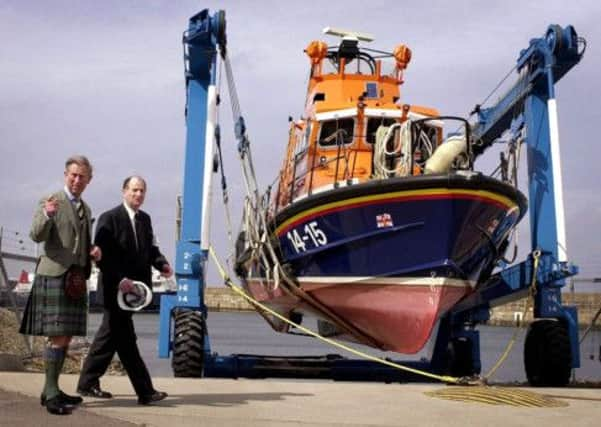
x,y
57,407
69,399
94,392
150,398
66,398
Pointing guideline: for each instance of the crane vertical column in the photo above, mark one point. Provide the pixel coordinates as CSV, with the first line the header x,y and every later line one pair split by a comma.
x,y
200,42
528,108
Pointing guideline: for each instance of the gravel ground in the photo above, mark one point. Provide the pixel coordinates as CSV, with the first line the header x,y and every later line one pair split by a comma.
x,y
13,343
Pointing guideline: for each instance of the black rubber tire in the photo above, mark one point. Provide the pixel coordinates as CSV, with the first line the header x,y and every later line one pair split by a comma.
x,y
547,354
460,358
188,343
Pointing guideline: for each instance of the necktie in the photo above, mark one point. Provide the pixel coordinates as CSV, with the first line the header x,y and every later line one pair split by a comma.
x,y
138,230
80,211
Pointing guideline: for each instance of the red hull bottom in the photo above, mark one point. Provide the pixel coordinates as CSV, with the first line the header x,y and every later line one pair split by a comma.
x,y
398,314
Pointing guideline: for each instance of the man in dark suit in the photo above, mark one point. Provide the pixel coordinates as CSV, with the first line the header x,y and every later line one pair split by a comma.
x,y
125,236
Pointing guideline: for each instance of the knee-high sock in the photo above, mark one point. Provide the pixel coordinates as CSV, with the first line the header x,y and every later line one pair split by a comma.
x,y
53,358
62,360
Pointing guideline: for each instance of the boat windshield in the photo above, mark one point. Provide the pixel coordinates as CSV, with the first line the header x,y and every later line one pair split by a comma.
x,y
336,132
362,63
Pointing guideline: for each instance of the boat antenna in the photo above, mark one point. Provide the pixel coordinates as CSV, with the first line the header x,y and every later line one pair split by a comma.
x,y
348,35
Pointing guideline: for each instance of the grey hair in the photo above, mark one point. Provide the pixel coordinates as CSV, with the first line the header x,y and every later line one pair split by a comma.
x,y
80,161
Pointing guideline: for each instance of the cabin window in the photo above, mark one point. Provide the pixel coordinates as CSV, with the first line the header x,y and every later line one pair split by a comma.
x,y
307,136
336,132
373,123
300,146
319,97
371,90
329,67
355,62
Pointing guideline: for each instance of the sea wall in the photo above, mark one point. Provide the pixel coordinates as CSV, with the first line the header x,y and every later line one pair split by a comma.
x,y
224,299
587,303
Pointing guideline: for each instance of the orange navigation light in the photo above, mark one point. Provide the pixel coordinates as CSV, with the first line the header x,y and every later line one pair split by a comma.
x,y
402,54
316,51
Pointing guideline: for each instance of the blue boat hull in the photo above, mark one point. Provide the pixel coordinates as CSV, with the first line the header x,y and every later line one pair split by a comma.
x,y
397,229
380,262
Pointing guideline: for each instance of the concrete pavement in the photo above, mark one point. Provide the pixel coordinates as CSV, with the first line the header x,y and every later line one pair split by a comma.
x,y
218,402
19,410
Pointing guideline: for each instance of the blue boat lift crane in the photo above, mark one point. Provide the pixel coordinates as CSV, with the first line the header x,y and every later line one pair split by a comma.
x,y
527,113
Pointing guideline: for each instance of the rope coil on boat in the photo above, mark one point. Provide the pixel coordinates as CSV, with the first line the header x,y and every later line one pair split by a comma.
x,y
399,148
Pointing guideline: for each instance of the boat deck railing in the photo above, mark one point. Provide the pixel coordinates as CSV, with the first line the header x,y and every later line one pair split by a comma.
x,y
345,164
344,169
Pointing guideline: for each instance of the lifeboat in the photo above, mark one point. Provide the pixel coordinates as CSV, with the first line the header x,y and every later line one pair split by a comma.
x,y
378,223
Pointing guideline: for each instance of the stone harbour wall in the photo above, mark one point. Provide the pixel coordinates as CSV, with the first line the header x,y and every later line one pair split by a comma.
x,y
224,299
587,303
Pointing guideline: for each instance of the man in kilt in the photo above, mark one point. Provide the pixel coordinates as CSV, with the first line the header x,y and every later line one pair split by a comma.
x,y
57,304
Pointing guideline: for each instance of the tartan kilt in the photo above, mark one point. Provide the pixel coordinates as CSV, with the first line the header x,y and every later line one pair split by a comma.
x,y
49,312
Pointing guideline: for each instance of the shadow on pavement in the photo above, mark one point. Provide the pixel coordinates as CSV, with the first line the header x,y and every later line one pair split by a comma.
x,y
215,399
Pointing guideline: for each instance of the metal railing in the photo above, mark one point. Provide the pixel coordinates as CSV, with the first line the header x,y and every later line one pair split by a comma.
x,y
346,159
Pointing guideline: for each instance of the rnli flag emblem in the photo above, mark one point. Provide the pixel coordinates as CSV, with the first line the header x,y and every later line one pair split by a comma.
x,y
384,220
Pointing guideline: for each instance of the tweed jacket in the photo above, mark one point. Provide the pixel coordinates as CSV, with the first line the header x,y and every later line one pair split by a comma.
x,y
66,242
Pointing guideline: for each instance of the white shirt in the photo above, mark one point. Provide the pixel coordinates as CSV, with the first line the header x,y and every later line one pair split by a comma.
x,y
131,213
71,197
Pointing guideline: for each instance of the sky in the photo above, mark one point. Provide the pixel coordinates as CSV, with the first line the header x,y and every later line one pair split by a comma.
x,y
105,79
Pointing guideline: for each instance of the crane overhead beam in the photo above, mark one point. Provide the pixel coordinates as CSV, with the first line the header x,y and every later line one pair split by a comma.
x,y
540,66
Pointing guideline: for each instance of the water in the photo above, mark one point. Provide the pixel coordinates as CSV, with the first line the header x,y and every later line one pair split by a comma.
x,y
248,333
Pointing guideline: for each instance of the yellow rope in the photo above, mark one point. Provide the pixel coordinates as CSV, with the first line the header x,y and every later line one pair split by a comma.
x,y
531,294
228,282
497,396
482,393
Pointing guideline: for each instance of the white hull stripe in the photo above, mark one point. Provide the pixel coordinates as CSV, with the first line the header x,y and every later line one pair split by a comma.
x,y
396,281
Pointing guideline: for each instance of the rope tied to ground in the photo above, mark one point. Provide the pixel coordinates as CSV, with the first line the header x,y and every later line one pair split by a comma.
x,y
480,392
497,396
229,283
531,295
